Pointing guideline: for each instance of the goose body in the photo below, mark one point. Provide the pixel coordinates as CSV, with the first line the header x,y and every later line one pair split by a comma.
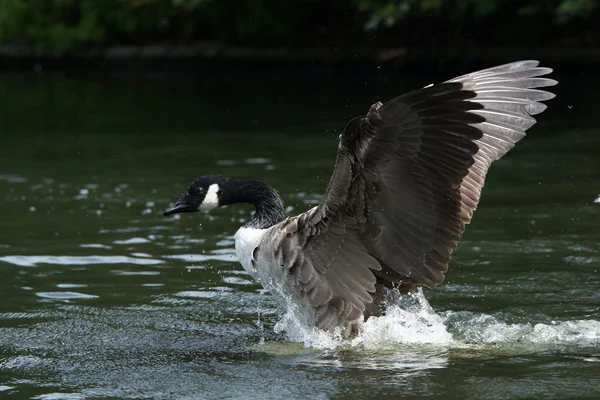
x,y
407,179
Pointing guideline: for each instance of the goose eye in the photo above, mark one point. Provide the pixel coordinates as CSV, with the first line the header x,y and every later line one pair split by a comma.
x,y
199,190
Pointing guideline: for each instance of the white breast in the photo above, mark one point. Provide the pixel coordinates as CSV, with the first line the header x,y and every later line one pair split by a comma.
x,y
246,240
267,271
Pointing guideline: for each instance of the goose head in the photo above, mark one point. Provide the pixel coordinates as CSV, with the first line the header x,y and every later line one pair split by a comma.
x,y
203,194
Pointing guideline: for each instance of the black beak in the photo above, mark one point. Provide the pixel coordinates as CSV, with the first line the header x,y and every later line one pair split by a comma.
x,y
181,206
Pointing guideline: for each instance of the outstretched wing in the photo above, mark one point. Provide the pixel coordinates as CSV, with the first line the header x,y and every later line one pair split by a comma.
x,y
407,179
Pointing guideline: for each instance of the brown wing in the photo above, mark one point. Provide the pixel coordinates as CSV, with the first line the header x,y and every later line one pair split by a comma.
x,y
407,179
329,275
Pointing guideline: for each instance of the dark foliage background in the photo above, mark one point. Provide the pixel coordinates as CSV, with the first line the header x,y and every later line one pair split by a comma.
x,y
67,25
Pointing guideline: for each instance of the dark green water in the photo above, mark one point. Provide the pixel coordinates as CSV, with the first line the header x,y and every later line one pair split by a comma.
x,y
103,297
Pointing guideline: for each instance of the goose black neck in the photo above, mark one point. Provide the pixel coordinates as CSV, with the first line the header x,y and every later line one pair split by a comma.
x,y
267,202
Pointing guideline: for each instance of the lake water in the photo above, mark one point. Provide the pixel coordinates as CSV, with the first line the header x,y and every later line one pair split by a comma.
x,y
103,297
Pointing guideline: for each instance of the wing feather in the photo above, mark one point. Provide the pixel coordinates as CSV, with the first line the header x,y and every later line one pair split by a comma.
x,y
407,179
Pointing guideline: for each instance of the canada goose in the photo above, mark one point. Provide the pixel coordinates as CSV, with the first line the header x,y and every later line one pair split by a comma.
x,y
407,179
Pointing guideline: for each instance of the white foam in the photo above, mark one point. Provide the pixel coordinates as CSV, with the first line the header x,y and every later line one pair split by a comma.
x,y
410,320
481,329
297,331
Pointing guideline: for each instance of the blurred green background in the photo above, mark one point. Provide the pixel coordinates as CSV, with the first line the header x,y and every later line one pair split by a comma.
x,y
69,25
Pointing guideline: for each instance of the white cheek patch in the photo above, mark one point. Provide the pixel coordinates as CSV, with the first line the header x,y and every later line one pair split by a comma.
x,y
211,200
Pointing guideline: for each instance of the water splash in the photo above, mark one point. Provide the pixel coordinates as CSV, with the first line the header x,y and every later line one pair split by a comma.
x,y
410,320
482,329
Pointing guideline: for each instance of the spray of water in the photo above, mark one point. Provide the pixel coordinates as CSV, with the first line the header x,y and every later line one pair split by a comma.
x,y
410,320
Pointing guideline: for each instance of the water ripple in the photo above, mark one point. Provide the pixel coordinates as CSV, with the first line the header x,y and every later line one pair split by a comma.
x,y
70,286
257,160
132,273
197,294
59,396
134,240
65,295
234,280
33,261
22,315
13,178
192,258
94,246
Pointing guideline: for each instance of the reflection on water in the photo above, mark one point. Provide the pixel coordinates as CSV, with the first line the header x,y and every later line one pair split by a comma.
x,y
102,296
64,295
32,261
